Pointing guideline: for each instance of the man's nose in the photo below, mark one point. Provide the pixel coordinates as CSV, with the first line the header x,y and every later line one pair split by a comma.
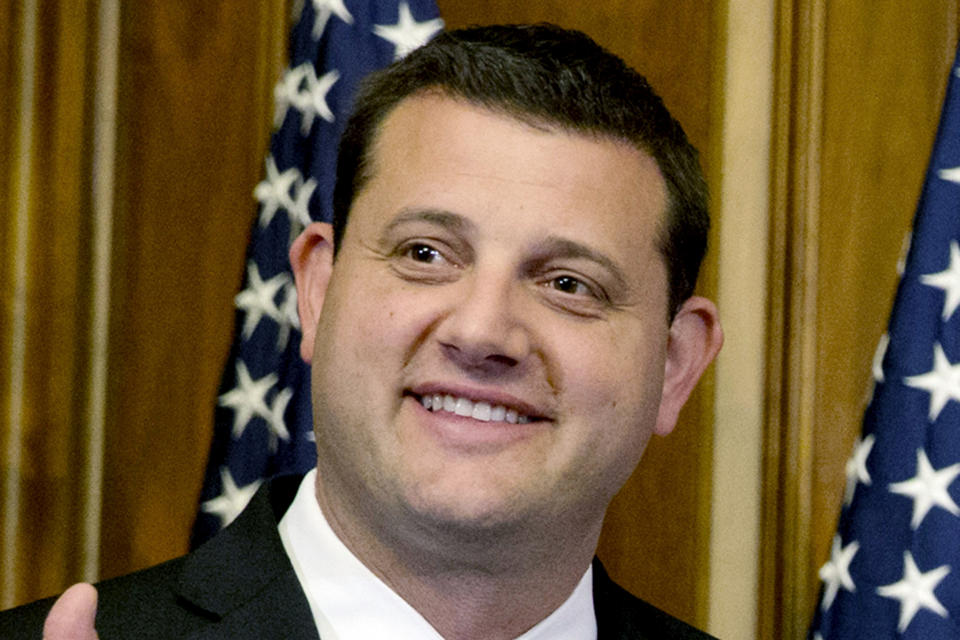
x,y
485,331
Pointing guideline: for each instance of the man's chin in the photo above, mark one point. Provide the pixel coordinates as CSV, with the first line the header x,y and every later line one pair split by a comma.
x,y
467,518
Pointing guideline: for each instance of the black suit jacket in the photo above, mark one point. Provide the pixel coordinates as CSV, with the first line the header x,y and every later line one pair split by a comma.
x,y
241,585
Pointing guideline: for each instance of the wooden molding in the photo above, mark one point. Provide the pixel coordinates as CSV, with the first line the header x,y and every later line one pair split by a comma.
x,y
858,92
791,361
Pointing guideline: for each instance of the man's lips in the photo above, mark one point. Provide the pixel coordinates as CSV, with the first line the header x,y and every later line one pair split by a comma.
x,y
467,408
484,409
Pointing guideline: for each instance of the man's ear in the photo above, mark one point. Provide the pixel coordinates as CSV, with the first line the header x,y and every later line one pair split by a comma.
x,y
694,340
311,257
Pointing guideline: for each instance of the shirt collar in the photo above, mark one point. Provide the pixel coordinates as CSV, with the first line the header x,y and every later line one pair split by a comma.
x,y
349,602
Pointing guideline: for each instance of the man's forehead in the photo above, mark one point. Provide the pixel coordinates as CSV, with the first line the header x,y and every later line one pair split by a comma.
x,y
432,99
420,111
430,141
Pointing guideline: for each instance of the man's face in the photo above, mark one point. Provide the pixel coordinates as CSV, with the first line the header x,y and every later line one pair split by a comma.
x,y
492,345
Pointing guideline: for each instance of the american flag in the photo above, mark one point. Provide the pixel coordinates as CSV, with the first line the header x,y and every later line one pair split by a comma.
x,y
894,568
262,422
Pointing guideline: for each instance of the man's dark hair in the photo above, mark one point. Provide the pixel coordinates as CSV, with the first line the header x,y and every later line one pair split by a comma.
x,y
543,75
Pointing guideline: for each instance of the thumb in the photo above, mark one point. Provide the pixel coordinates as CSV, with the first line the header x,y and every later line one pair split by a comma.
x,y
72,615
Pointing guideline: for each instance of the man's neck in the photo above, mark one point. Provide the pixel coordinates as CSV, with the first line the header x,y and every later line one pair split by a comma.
x,y
497,585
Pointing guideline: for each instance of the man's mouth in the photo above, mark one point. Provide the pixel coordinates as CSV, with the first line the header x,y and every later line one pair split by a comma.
x,y
476,409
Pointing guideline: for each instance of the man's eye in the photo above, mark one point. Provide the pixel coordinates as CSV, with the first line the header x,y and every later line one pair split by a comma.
x,y
425,261
424,253
569,284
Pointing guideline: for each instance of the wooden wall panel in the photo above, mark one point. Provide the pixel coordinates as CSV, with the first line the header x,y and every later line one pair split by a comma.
x,y
194,114
859,98
656,536
195,103
44,268
9,45
10,92
58,266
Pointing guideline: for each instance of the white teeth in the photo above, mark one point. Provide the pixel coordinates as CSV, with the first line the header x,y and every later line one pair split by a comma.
x,y
464,408
480,410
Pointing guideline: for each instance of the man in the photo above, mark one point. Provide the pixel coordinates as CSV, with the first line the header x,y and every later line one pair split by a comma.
x,y
495,331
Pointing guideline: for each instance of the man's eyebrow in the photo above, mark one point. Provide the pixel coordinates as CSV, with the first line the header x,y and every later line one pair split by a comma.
x,y
557,247
440,217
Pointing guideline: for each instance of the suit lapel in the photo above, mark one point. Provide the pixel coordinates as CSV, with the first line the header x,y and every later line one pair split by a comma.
x,y
242,580
622,616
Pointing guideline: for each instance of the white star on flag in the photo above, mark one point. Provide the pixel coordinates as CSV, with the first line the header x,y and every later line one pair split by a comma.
x,y
948,280
407,34
274,191
942,382
929,488
904,252
323,10
301,89
857,467
878,357
248,398
278,429
878,375
228,505
313,101
257,300
299,209
836,573
950,175
915,591
286,91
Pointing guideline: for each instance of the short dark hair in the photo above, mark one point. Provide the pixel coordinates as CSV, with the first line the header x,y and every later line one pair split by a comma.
x,y
544,75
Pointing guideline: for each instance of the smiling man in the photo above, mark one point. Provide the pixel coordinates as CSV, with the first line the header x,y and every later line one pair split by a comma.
x,y
498,321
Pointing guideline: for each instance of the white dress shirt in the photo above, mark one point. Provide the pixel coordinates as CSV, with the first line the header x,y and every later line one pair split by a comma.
x,y
349,602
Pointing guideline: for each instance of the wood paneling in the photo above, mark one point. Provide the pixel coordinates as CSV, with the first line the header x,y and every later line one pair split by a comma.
x,y
655,539
10,91
44,456
9,46
859,96
58,278
195,103
194,116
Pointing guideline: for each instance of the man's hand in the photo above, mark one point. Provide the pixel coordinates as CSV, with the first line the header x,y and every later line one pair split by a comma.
x,y
71,617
